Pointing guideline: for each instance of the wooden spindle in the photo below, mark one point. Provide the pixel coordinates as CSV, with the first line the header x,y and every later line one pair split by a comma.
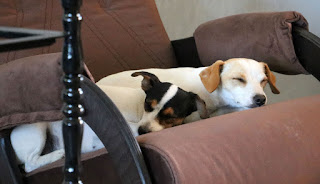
x,y
73,110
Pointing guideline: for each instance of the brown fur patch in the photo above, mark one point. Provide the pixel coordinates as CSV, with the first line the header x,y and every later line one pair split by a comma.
x,y
168,111
171,122
271,79
154,103
210,77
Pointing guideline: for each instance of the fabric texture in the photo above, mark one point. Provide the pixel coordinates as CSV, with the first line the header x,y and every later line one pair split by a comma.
x,y
116,35
278,143
97,163
31,90
264,37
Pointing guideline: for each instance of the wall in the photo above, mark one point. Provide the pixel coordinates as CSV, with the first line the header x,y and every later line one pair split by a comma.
x,y
182,17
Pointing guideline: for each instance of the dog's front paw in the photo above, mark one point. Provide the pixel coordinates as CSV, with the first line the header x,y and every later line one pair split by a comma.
x,y
28,168
56,155
36,161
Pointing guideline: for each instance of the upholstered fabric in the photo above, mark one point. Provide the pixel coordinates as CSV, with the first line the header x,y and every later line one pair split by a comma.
x,y
31,90
97,168
264,37
116,35
279,143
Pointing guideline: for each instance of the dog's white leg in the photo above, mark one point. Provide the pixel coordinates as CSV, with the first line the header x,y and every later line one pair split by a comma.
x,y
35,161
134,128
90,141
28,139
28,142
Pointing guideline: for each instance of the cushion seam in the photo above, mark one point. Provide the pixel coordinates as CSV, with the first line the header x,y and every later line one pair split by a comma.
x,y
5,125
29,112
142,45
108,46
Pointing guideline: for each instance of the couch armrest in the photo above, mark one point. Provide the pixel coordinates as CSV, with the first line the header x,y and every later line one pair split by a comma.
x,y
307,48
279,143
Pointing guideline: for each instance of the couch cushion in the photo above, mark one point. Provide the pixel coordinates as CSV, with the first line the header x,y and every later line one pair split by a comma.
x,y
31,90
279,143
264,37
116,35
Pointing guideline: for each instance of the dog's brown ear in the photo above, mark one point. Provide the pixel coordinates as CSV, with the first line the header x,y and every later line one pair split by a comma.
x,y
201,107
148,81
271,79
210,76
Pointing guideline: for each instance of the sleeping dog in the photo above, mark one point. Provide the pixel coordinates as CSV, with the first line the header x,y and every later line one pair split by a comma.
x,y
225,86
159,105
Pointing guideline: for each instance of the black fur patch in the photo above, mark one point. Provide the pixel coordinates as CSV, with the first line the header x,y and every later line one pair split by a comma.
x,y
155,93
183,104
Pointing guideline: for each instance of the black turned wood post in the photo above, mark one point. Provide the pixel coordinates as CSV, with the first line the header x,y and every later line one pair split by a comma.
x,y
72,109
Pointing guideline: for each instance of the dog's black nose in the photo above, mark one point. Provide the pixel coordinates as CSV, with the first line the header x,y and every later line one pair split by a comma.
x,y
259,100
142,130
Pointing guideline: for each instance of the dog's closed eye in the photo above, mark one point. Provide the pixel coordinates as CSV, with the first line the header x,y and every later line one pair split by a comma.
x,y
240,79
265,80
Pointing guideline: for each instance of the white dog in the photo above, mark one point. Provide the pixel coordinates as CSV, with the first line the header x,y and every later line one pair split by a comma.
x,y
233,85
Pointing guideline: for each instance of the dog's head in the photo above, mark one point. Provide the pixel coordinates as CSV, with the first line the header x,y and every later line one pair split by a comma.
x,y
240,81
166,105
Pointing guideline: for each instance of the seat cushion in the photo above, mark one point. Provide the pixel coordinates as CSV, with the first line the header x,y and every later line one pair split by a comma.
x,y
278,143
116,35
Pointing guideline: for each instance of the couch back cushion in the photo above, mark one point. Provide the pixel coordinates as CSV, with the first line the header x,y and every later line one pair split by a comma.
x,y
31,90
265,36
116,35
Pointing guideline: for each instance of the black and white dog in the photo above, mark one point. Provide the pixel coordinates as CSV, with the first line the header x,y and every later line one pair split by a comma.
x,y
166,105
159,105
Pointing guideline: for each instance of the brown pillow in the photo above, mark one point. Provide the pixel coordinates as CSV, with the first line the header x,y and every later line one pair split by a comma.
x,y
31,90
116,35
261,36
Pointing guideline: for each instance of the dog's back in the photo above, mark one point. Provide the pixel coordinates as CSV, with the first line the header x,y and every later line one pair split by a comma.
x,y
182,77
